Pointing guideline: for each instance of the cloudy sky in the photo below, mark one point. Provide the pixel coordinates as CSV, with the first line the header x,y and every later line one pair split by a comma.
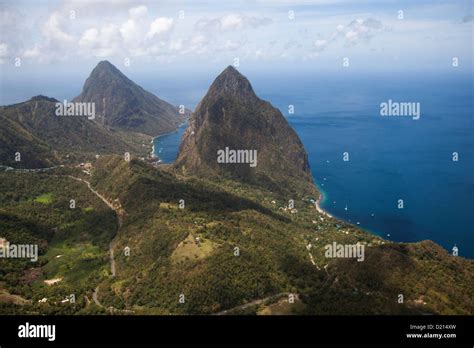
x,y
62,38
370,33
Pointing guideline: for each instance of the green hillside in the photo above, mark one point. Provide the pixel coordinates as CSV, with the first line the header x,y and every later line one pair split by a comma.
x,y
166,260
44,139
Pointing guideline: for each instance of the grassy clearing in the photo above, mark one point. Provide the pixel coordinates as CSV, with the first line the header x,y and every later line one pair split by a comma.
x,y
73,262
192,249
46,198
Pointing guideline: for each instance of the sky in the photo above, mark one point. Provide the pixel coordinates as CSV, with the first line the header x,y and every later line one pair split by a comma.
x,y
66,39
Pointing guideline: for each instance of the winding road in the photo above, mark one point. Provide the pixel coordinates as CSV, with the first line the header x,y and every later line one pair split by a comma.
x,y
95,294
255,303
119,220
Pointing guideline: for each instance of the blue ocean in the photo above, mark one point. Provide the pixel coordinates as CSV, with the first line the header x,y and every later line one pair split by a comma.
x,y
390,158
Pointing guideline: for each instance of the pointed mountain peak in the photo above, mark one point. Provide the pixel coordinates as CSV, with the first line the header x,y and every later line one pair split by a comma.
x,y
230,70
232,83
121,103
105,64
232,118
104,68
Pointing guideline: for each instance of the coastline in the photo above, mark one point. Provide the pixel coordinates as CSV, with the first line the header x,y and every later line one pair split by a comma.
x,y
153,155
365,229
318,206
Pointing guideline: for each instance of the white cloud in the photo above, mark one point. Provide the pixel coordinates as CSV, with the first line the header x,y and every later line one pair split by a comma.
x,y
198,39
53,32
89,37
362,30
196,44
231,45
320,45
3,52
230,22
135,28
141,37
160,26
34,52
357,31
138,12
131,31
101,43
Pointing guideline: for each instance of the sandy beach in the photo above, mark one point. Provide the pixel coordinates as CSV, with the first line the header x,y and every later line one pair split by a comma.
x,y
318,207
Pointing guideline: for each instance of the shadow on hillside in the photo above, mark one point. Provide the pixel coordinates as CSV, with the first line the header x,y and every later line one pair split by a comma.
x,y
349,287
198,197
